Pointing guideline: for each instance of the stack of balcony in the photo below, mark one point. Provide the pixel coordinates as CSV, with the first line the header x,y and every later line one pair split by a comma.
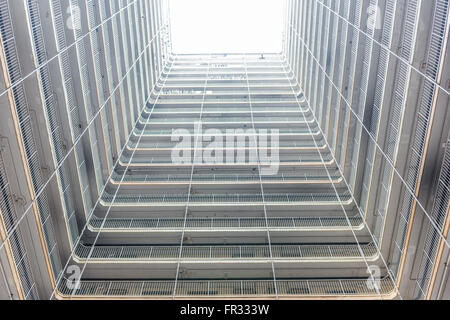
x,y
218,229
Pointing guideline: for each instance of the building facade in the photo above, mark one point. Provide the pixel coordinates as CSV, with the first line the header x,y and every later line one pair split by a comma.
x,y
129,171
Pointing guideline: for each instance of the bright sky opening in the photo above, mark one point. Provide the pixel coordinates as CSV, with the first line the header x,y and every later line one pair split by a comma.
x,y
227,26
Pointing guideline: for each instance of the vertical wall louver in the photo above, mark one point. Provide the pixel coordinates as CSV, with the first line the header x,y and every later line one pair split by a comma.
x,y
89,96
397,111
102,68
112,109
72,105
439,214
426,104
363,92
52,117
360,103
99,52
22,114
441,204
379,99
8,218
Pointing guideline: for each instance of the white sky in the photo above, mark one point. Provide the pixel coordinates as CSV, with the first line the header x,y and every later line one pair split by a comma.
x,y
227,26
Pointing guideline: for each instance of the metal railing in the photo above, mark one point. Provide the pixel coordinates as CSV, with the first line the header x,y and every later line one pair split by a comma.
x,y
200,199
222,178
226,224
230,288
228,253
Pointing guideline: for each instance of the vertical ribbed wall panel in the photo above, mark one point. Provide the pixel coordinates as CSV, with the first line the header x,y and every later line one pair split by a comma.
x,y
98,51
331,72
120,65
22,114
354,96
72,105
440,209
52,117
8,219
439,214
397,111
379,101
94,108
360,87
407,202
87,87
